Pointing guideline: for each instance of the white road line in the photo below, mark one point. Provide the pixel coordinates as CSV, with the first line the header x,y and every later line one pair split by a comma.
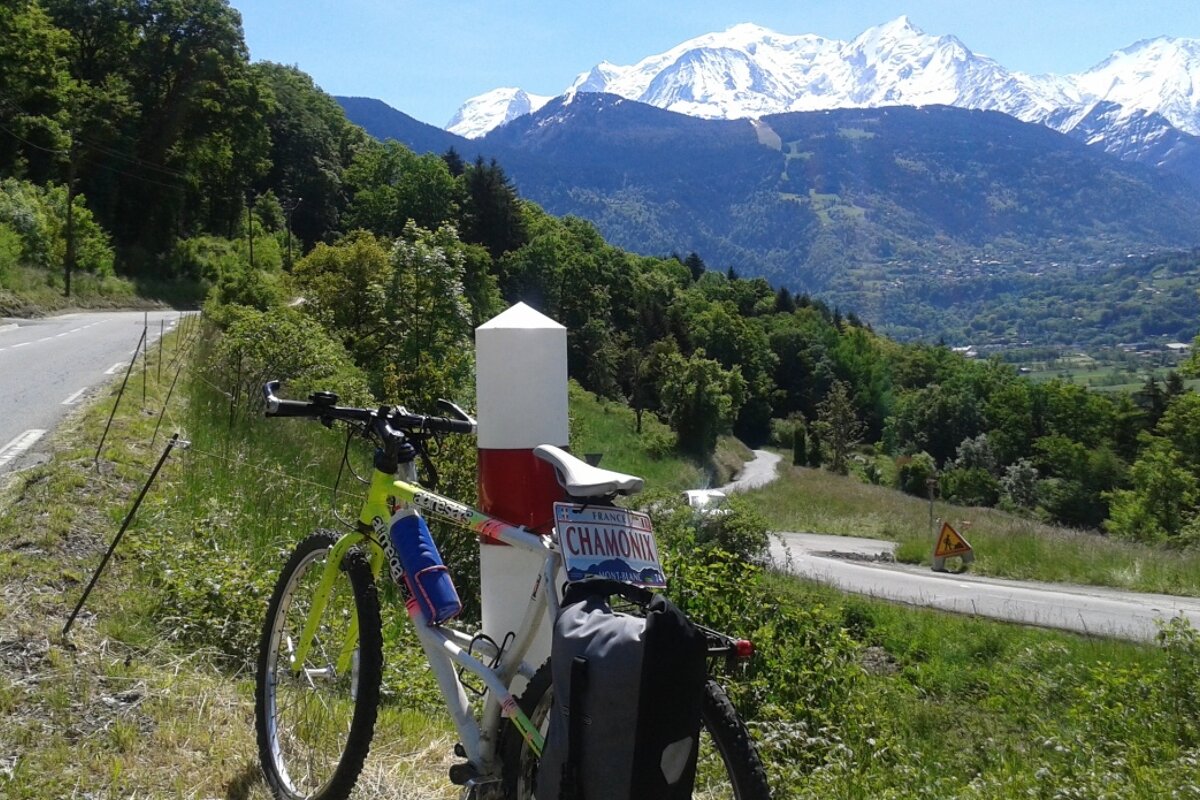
x,y
77,330
21,344
19,445
113,369
73,399
64,333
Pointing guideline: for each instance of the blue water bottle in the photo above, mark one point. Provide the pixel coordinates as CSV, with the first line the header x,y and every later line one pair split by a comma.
x,y
427,577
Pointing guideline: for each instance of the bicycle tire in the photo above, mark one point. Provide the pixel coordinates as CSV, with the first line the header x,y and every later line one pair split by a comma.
x,y
303,756
723,736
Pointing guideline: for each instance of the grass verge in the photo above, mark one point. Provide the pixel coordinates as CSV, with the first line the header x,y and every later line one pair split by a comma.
x,y
152,694
1005,545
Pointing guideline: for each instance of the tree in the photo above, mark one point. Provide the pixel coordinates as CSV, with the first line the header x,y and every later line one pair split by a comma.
x,y
312,144
839,425
389,185
1162,500
34,84
183,135
428,353
1018,485
491,214
454,162
345,285
1180,424
700,399
799,456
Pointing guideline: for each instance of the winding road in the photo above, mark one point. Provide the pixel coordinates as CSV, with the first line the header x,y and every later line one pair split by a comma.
x,y
867,567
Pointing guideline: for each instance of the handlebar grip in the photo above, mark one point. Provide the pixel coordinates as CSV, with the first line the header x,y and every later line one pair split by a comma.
x,y
290,408
451,425
277,407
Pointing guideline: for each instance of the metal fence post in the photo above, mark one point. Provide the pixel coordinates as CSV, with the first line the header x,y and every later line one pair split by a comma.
x,y
120,393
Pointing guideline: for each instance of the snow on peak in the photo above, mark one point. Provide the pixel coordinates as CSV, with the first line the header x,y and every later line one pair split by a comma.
x,y
492,109
748,71
1159,75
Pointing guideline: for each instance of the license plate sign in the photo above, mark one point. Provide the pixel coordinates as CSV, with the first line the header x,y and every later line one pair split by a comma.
x,y
608,543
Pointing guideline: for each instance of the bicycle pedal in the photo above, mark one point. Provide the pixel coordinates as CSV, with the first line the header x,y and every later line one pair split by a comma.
x,y
463,774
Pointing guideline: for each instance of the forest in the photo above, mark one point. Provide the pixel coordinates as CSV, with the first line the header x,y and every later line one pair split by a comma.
x,y
138,139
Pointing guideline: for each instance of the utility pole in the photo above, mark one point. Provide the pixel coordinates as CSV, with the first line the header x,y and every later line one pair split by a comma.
x,y
69,258
250,224
290,207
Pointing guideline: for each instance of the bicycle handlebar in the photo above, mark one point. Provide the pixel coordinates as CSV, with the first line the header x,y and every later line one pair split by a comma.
x,y
323,405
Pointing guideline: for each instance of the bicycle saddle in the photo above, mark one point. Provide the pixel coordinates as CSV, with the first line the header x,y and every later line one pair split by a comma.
x,y
581,479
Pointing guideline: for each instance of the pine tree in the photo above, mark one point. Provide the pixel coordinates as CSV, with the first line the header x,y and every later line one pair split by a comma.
x,y
799,456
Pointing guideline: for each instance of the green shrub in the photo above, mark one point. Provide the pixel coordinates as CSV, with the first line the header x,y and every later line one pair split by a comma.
x,y
971,486
1181,678
203,258
798,686
282,344
10,251
913,472
39,215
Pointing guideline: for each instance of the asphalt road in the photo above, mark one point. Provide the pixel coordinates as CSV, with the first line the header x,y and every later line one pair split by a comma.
x,y
49,365
862,566
758,472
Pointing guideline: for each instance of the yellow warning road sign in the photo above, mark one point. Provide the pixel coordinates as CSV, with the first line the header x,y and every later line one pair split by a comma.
x,y
950,543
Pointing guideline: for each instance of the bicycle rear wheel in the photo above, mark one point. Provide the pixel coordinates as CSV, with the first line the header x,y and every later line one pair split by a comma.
x,y
315,722
728,767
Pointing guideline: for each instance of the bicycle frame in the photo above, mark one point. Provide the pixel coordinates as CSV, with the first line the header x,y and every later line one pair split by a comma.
x,y
444,646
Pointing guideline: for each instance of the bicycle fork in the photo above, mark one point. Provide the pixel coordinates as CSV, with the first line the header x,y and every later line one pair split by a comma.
x,y
329,573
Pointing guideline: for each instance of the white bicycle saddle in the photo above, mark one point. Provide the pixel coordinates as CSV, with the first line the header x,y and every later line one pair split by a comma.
x,y
581,479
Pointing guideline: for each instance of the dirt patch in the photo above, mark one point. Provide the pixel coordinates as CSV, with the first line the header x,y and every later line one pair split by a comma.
x,y
870,558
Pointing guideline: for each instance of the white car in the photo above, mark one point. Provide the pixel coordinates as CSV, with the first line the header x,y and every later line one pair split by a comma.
x,y
707,502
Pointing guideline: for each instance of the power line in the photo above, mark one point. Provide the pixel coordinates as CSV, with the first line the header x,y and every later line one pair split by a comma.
x,y
108,151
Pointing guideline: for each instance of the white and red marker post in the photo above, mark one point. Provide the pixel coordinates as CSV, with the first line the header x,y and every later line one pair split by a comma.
x,y
521,401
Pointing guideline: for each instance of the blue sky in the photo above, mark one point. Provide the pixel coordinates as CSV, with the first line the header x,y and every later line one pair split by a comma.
x,y
425,58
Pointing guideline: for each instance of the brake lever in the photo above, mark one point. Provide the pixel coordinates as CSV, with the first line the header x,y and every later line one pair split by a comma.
x,y
427,463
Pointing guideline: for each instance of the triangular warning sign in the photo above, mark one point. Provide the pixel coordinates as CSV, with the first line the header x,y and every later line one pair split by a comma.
x,y
950,543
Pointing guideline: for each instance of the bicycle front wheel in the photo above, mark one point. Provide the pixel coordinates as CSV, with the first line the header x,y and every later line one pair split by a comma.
x,y
727,768
315,719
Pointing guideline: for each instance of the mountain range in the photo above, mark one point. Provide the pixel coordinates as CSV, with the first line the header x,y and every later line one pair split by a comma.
x,y
912,217
1141,103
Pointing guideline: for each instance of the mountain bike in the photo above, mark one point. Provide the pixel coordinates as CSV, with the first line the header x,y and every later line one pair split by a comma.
x,y
320,661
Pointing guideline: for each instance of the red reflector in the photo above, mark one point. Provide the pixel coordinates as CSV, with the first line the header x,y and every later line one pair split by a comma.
x,y
744,648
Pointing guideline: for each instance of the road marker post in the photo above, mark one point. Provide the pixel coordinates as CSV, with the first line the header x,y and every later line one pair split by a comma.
x,y
521,401
951,543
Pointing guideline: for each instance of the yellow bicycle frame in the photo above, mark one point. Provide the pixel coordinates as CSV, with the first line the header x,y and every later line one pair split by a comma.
x,y
383,495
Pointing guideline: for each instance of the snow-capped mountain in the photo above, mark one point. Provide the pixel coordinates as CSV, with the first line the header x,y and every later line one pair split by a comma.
x,y
750,71
1160,76
492,109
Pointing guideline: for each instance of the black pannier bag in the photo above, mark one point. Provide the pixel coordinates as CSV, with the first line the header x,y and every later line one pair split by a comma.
x,y
628,691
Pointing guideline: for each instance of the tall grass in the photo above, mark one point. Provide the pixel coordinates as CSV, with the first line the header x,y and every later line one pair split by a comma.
x,y
1005,545
610,429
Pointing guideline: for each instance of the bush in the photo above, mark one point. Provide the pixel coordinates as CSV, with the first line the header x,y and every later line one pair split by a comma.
x,y
805,670
913,473
10,251
1019,486
39,216
972,486
283,344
